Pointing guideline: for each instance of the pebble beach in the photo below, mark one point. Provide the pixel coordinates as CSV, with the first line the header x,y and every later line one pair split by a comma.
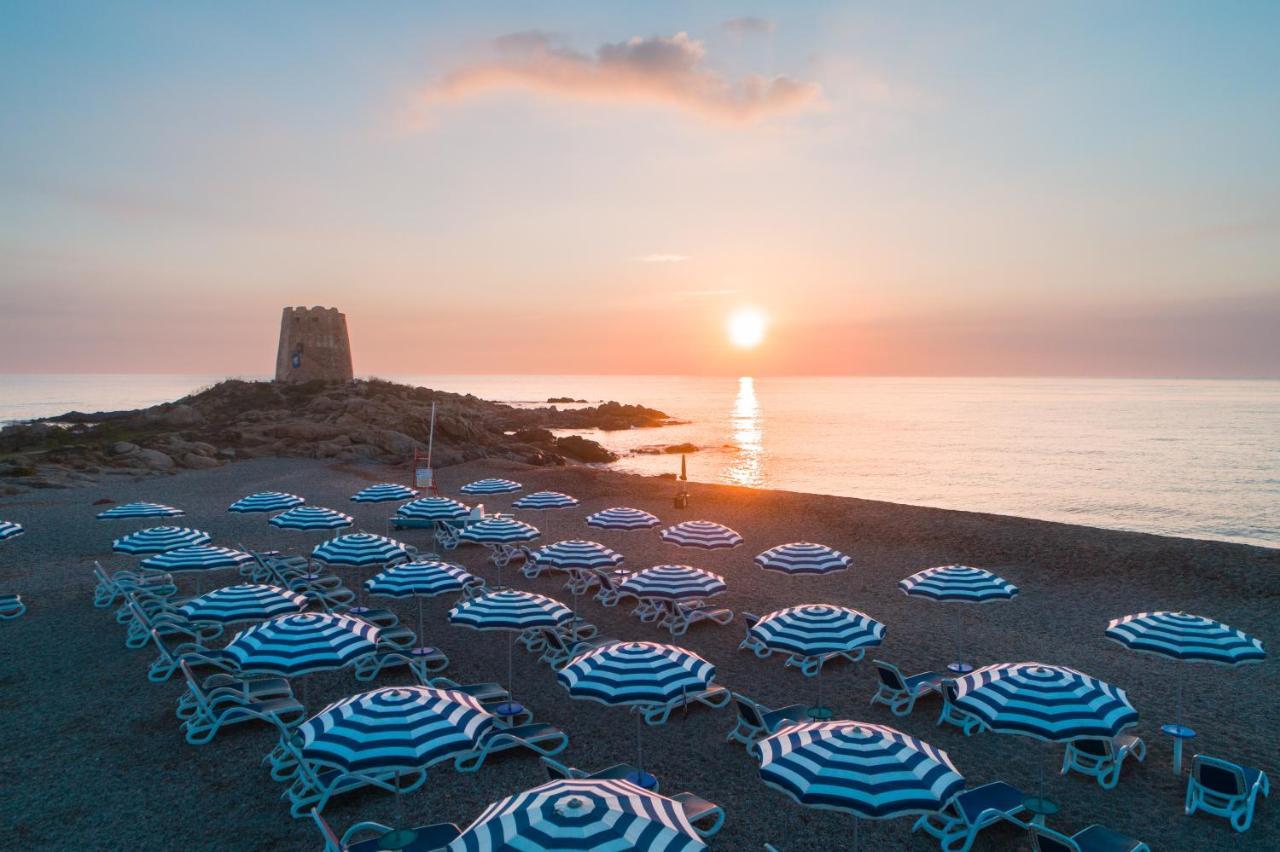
x,y
93,757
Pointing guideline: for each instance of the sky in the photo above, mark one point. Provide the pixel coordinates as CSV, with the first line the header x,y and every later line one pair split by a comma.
x,y
1084,189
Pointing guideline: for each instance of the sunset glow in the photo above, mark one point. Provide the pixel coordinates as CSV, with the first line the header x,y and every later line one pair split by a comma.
x,y
746,328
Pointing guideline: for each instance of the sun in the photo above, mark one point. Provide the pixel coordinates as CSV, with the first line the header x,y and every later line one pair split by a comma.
x,y
746,328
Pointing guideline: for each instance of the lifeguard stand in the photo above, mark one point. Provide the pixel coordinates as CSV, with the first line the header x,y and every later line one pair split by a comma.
x,y
422,475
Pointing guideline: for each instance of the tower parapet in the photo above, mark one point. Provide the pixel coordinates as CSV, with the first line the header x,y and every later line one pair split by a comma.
x,y
314,346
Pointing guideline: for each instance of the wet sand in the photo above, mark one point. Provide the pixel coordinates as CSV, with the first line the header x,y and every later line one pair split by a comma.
x,y
93,757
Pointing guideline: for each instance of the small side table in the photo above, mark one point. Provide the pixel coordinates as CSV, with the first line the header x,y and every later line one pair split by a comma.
x,y
1040,808
959,668
357,610
1179,733
819,714
643,780
401,838
508,709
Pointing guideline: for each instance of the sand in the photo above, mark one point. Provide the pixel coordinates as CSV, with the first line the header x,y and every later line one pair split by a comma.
x,y
93,757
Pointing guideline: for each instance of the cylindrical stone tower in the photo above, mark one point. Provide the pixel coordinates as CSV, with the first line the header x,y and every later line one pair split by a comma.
x,y
313,346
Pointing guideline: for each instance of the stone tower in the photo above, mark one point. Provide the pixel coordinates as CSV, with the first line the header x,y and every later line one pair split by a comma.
x,y
313,346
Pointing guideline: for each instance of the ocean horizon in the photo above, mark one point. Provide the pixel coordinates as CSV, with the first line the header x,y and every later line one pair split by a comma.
x,y
1197,458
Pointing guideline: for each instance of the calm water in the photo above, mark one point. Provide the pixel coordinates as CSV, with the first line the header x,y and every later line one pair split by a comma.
x,y
1190,458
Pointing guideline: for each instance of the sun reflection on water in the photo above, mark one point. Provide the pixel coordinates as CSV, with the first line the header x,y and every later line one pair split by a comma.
x,y
747,466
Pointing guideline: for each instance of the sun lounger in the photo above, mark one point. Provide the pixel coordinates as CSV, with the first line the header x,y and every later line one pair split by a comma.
x,y
649,609
488,694
115,587
559,650
811,666
558,771
314,784
11,606
1095,838
682,616
219,688
429,837
611,593
900,693
1225,789
755,721
1102,758
705,817
956,825
541,738
327,589
212,713
751,642
191,653
714,696
139,631
965,721
424,662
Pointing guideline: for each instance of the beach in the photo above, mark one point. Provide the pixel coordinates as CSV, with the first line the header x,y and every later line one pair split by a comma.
x,y
93,756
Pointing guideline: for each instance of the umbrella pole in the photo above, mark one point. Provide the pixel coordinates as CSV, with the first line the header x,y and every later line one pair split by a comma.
x,y
419,597
855,834
1177,719
639,752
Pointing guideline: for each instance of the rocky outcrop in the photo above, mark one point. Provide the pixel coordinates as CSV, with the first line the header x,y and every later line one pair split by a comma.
x,y
364,420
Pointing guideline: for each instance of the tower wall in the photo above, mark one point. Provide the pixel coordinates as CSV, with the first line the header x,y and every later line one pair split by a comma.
x,y
313,346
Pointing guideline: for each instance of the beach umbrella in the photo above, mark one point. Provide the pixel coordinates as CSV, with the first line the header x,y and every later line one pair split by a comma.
x,y
243,602
433,509
545,500
803,557
198,557
491,486
636,674
869,771
1049,703
266,501
420,580
359,550
581,814
311,518
10,529
623,518
500,535
293,645
576,553
674,583
1186,638
395,728
512,611
383,492
158,540
126,511
814,630
958,584
702,534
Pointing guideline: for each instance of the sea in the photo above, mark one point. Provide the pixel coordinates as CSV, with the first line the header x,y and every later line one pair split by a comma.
x,y
1197,458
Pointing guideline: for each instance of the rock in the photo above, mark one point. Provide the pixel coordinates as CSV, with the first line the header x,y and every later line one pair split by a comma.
x,y
154,459
227,453
563,399
199,462
203,448
681,448
582,449
180,415
535,436
123,448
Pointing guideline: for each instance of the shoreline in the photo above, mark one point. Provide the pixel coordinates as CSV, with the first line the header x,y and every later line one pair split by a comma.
x,y
99,761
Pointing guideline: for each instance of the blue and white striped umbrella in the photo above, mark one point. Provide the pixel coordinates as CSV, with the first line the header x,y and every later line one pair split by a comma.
x,y
870,771
199,557
510,609
1186,637
577,554
426,579
545,500
292,645
811,630
243,602
958,583
803,557
623,518
674,583
433,509
491,486
635,673
359,550
159,539
266,501
311,518
383,492
581,814
10,529
395,728
1050,703
499,531
126,511
706,535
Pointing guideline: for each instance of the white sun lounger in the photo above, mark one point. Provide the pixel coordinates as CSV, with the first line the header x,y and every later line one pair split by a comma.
x,y
212,713
1102,758
714,696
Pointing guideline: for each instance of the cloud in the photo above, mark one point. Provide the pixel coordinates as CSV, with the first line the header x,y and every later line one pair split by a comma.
x,y
662,258
657,69
701,294
749,25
